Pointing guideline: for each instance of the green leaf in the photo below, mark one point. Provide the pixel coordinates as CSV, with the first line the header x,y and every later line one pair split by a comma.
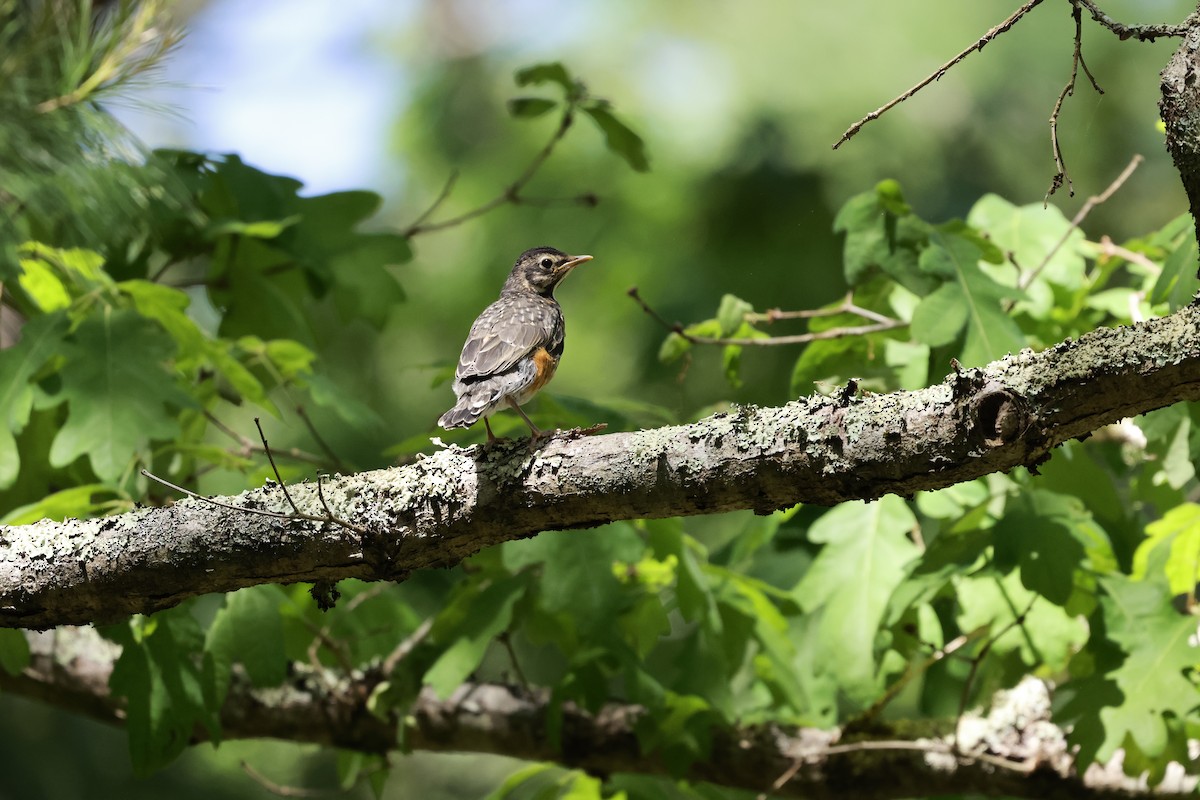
x,y
116,389
41,337
74,502
1152,680
167,306
954,255
259,229
246,630
1030,232
673,348
14,651
619,137
467,628
867,548
530,107
731,314
1036,533
940,317
1179,532
44,288
551,72
1175,283
577,577
158,675
519,778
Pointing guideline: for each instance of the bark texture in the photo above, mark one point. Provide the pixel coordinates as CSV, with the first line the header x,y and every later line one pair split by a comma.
x,y
443,508
1180,110
1013,750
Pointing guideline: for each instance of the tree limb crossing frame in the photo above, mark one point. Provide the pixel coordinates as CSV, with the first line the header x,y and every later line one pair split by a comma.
x,y
447,506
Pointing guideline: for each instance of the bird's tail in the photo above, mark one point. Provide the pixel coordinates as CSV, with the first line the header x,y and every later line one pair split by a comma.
x,y
461,416
471,406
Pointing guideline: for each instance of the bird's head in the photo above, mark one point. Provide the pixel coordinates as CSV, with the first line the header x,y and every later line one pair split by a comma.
x,y
541,269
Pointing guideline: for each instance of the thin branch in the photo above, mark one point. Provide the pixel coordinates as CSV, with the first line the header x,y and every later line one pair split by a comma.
x,y
510,193
248,447
406,646
1017,620
1108,248
802,338
275,469
435,205
914,670
277,788
1093,201
321,443
297,515
1076,62
1143,33
213,501
939,72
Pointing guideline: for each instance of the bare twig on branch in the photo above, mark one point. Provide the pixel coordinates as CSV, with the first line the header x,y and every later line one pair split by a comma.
x,y
511,193
1143,33
1108,248
1077,61
1029,277
329,517
320,440
246,447
279,789
939,72
881,323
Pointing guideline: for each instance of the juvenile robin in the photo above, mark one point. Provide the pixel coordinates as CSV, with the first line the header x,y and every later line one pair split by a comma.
x,y
514,346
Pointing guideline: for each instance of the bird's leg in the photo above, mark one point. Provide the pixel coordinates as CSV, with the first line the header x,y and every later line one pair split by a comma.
x,y
536,433
491,436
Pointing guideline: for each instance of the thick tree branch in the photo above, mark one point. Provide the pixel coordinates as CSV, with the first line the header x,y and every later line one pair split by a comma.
x,y
1015,750
1180,111
434,513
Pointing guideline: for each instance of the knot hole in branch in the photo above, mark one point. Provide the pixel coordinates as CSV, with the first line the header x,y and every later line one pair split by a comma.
x,y
1000,414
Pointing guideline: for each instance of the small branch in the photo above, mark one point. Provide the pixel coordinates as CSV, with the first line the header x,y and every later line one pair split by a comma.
x,y
1093,201
437,202
510,194
1076,62
277,788
321,443
213,501
1108,248
296,515
247,447
939,72
1143,33
275,469
884,324
406,646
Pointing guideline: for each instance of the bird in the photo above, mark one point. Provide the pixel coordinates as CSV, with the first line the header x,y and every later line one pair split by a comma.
x,y
514,346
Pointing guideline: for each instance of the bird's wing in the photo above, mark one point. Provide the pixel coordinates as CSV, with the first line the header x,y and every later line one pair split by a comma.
x,y
503,334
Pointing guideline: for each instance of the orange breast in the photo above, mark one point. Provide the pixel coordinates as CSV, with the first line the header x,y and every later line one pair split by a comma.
x,y
546,364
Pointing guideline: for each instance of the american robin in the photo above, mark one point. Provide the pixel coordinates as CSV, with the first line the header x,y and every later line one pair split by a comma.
x,y
514,346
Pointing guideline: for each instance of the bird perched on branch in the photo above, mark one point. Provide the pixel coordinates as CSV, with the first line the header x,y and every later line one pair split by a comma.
x,y
514,346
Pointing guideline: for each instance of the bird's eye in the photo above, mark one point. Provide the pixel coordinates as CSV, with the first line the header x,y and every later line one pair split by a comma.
x,y
547,263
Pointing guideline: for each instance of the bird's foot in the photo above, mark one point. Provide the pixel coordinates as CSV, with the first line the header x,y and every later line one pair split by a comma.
x,y
538,437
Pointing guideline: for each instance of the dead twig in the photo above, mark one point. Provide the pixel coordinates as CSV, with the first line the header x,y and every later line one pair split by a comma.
x,y
939,72
296,514
1143,33
1093,201
1076,62
510,194
881,323
246,447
